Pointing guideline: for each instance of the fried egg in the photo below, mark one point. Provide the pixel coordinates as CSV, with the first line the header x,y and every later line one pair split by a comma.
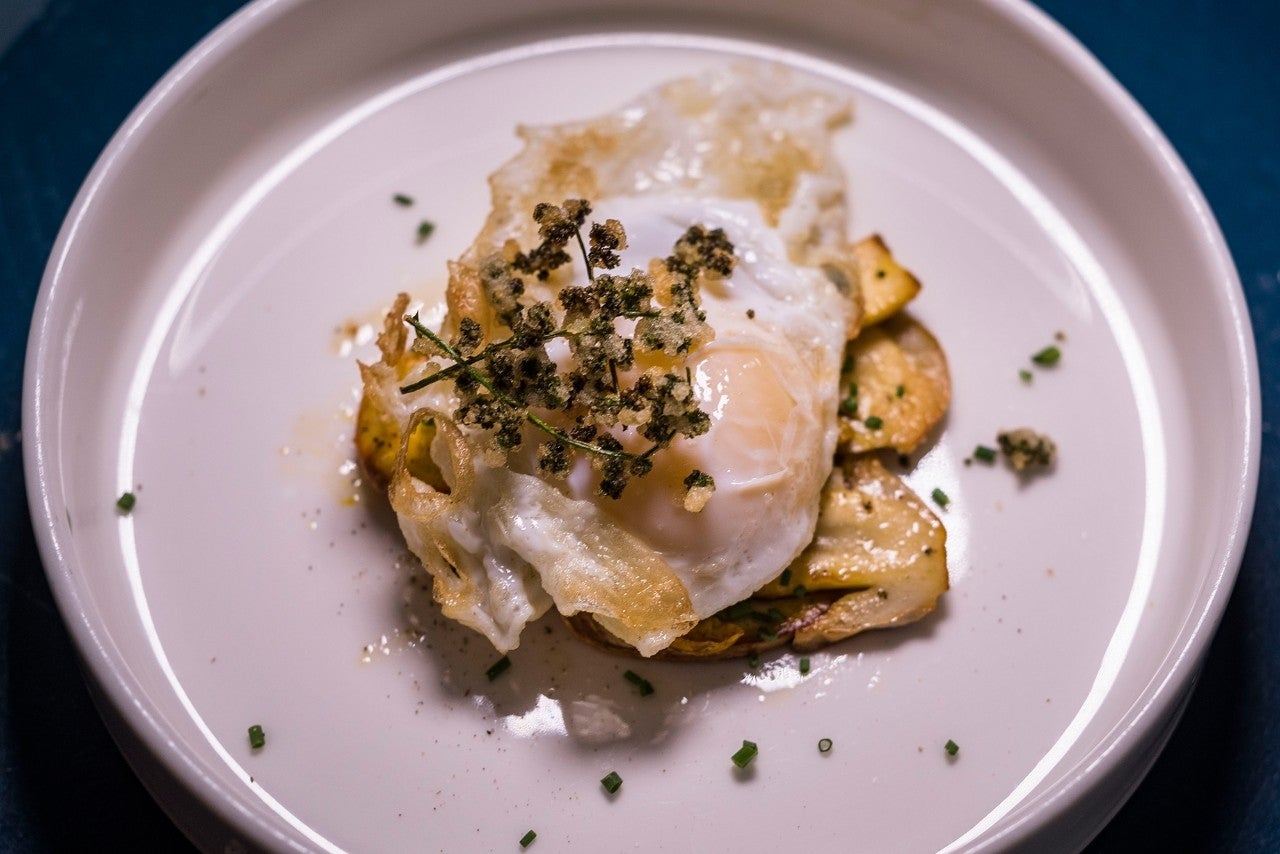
x,y
748,150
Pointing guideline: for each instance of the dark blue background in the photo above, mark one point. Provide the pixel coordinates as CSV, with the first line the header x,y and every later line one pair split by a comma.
x,y
71,70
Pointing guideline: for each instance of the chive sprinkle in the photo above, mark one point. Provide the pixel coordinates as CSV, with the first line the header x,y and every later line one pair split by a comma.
x,y
527,839
612,782
424,229
824,745
644,686
126,501
1048,356
940,498
874,422
745,754
982,452
785,578
800,591
1024,375
804,665
498,668
402,200
900,391
951,747
257,738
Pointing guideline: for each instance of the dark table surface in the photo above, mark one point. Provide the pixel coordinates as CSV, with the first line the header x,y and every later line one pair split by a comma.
x,y
71,70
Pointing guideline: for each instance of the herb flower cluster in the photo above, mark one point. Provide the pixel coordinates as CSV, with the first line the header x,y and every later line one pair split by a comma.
x,y
508,384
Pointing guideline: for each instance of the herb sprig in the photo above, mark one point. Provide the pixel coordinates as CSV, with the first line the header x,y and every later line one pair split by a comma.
x,y
500,382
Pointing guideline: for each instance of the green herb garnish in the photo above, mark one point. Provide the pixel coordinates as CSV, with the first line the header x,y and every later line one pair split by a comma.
x,y
424,230
1025,448
940,498
951,747
900,391
982,452
498,668
642,685
1024,375
257,738
126,501
527,839
874,422
745,754
402,200
804,666
501,382
611,782
1048,356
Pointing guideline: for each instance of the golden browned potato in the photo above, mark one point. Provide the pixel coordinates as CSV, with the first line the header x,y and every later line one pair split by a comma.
x,y
878,559
378,438
898,387
876,537
887,286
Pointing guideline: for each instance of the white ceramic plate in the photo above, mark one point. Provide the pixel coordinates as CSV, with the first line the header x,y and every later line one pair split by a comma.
x,y
195,342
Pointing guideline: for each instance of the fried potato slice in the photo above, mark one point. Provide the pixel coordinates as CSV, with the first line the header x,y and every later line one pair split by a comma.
x,y
887,286
378,441
898,385
876,537
878,559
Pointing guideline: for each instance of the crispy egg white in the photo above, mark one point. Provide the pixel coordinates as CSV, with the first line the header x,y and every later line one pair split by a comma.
x,y
744,149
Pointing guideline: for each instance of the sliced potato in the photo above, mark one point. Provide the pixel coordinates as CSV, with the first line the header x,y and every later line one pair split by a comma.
x,y
887,286
875,534
378,439
898,387
878,559
378,436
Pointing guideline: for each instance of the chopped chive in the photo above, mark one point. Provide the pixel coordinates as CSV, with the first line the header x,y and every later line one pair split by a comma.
x,y
940,498
742,758
738,610
824,745
1048,356
643,685
424,229
612,782
126,501
874,422
900,390
785,578
527,839
987,455
768,635
951,747
1024,375
402,200
498,668
849,406
804,665
800,591
257,738
847,365
754,661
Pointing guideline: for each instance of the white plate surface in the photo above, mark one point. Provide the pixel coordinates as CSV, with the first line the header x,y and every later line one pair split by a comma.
x,y
195,342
